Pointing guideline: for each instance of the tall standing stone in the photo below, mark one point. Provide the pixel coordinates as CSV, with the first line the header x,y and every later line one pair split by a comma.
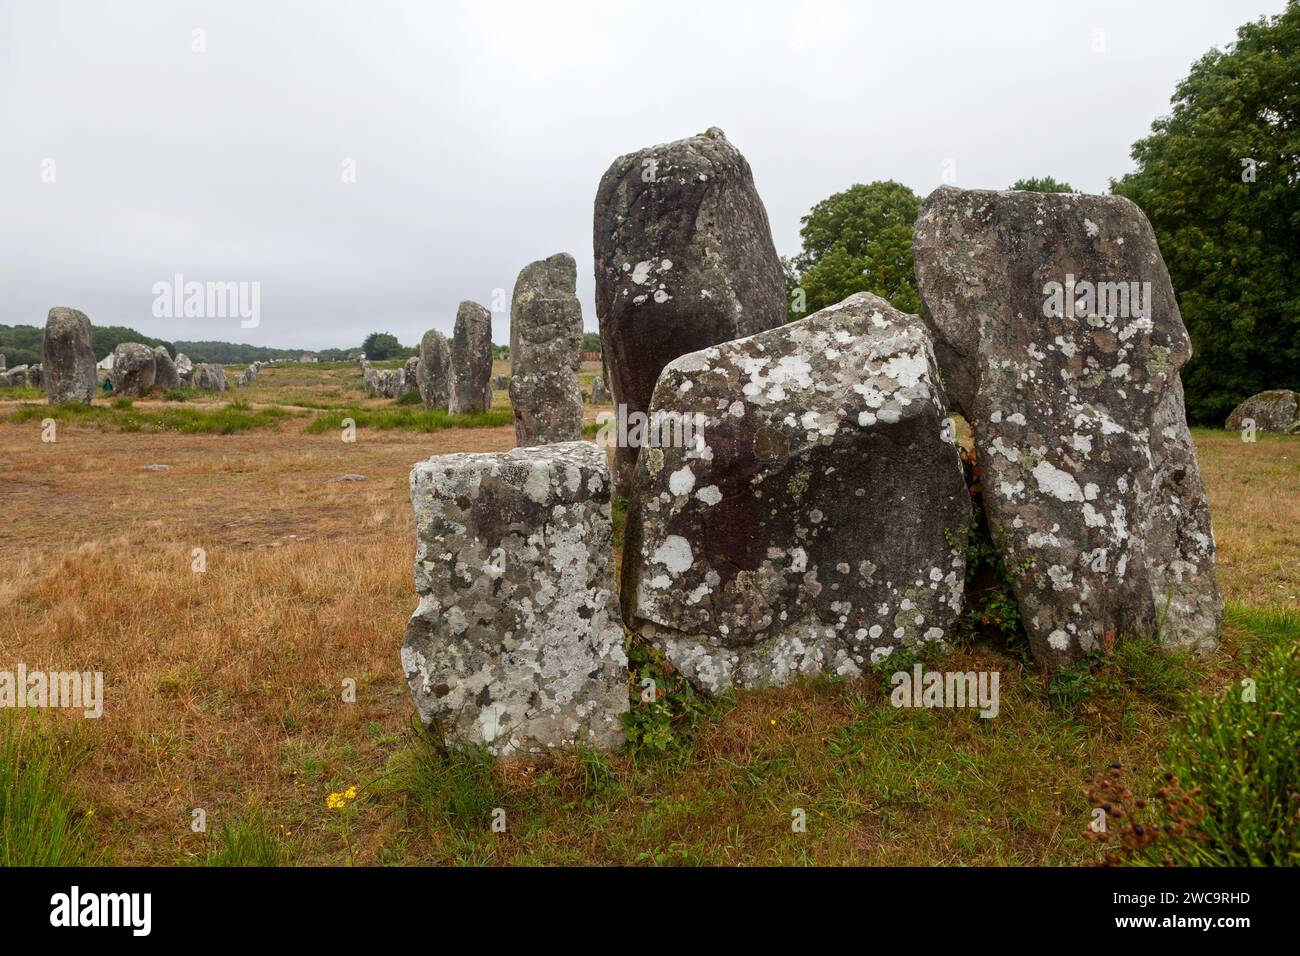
x,y
684,260
546,352
433,374
133,369
516,644
164,374
209,377
471,360
184,367
1060,341
794,506
68,357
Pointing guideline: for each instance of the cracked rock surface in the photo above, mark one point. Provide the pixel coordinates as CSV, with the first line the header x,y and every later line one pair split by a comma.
x,y
516,643
805,527
1060,341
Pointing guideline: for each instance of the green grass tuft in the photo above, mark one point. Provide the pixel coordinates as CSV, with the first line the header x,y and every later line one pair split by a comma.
x,y
413,418
40,821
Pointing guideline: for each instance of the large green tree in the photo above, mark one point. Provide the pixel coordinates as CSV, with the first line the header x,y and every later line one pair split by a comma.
x,y
1219,179
1041,184
859,240
380,345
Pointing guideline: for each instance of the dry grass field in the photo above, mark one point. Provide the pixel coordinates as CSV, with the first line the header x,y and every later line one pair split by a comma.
x,y
225,687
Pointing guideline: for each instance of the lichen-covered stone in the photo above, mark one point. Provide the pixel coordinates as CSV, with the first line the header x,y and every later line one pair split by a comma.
x,y
1060,342
804,525
546,352
184,367
249,375
433,374
599,393
68,357
516,644
164,369
1273,411
684,260
209,377
410,376
133,369
471,360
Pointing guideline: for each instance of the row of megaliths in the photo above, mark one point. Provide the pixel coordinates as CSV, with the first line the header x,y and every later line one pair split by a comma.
x,y
801,516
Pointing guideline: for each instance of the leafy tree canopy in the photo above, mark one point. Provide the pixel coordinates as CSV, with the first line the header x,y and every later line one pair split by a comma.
x,y
1219,179
381,345
1044,185
859,240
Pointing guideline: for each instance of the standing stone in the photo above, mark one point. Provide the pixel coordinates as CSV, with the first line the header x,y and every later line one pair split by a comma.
x,y
410,376
501,382
133,369
791,512
599,393
15,376
210,377
68,357
516,643
1274,411
35,375
546,352
471,360
2,361
164,369
1060,341
433,376
684,260
249,375
184,367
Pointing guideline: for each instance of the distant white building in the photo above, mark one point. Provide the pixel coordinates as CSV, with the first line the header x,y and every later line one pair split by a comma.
x,y
106,365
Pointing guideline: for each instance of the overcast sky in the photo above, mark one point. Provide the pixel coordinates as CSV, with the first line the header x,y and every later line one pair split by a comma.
x,y
479,131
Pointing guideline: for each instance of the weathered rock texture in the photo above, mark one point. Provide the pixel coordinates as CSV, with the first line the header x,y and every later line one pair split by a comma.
x,y
164,369
434,370
1087,467
36,376
471,360
133,369
14,376
1274,411
684,260
410,376
210,377
249,375
806,527
184,367
67,357
501,382
516,643
599,393
546,352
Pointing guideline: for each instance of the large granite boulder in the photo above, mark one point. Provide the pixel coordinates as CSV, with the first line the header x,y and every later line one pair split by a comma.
x,y
1273,411
684,260
433,374
133,369
1060,342
546,352
792,510
471,360
164,369
36,376
209,377
67,357
516,643
184,367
